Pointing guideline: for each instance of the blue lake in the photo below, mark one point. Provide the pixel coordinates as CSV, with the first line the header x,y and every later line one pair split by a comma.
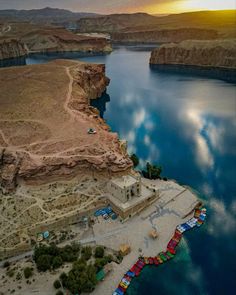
x,y
186,124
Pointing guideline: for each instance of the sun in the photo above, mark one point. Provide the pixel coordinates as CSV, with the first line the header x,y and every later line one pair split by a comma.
x,y
208,4
178,6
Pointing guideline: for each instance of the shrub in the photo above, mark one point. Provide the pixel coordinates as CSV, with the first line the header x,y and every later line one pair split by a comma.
x,y
99,252
10,273
28,272
57,262
44,262
63,278
86,252
57,284
18,276
135,160
59,293
6,264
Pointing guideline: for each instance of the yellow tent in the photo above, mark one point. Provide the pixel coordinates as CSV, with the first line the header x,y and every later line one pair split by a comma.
x,y
125,249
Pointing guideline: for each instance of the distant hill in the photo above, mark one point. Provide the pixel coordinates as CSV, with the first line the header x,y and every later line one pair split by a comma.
x,y
115,22
45,15
223,21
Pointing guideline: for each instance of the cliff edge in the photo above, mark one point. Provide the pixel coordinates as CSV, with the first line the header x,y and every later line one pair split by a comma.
x,y
11,48
44,120
216,54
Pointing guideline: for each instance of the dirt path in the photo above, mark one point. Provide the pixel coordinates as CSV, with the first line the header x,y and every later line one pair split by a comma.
x,y
69,95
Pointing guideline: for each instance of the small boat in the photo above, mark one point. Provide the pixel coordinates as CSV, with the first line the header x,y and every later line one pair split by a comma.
x,y
159,259
130,274
155,260
163,257
172,251
118,291
169,254
151,260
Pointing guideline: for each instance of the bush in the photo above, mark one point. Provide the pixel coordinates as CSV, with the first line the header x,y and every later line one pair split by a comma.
x,y
86,252
57,284
44,262
99,263
99,252
152,171
57,262
10,273
6,264
63,278
135,160
59,293
28,272
18,276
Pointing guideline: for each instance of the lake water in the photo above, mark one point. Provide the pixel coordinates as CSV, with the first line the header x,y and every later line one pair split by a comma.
x,y
186,124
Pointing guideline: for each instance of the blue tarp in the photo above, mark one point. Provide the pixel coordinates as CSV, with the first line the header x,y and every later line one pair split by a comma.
x,y
106,210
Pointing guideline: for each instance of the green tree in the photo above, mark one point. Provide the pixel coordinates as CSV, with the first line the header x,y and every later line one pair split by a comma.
x,y
135,160
57,262
152,171
44,262
63,278
99,252
57,284
28,272
86,252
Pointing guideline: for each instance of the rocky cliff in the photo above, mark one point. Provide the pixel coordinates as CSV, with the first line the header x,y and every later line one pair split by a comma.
x,y
44,121
11,48
60,40
39,38
216,54
163,36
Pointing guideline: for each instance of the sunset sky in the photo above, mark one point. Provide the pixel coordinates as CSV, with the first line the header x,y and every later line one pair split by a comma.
x,y
115,6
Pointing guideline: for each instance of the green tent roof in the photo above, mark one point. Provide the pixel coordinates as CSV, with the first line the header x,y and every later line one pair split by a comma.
x,y
100,275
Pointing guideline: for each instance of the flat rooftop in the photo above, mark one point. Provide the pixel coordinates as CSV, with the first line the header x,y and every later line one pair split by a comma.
x,y
145,194
124,181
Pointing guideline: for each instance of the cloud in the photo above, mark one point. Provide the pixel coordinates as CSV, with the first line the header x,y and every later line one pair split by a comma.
x,y
223,219
196,126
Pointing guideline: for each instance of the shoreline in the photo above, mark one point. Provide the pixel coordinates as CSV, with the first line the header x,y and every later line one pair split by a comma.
x,y
220,73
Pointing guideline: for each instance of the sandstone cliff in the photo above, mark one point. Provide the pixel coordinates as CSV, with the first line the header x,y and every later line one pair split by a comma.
x,y
40,39
44,121
11,48
60,40
217,54
163,36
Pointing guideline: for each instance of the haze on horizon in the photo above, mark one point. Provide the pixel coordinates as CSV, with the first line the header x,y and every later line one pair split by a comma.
x,y
120,6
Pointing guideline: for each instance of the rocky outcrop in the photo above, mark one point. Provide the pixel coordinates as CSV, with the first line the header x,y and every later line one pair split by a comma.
x,y
44,121
43,39
11,48
60,40
216,54
163,36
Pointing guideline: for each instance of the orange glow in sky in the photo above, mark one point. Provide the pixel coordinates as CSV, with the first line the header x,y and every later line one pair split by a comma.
x,y
191,5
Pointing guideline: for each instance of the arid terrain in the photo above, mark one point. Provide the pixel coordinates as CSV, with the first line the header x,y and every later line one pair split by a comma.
x,y
45,119
40,38
142,27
